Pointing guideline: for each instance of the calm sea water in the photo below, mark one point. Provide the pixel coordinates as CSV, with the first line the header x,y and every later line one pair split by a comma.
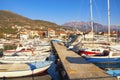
x,y
52,70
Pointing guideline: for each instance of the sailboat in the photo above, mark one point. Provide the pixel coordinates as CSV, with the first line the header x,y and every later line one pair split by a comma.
x,y
109,58
94,50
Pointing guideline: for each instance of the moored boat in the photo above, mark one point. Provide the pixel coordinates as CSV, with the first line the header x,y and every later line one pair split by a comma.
x,y
108,59
22,59
91,51
20,70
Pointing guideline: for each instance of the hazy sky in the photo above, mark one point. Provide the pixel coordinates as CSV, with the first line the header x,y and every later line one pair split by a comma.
x,y
61,11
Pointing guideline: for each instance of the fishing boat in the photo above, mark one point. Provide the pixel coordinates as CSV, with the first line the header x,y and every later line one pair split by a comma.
x,y
91,51
28,52
20,70
20,48
107,58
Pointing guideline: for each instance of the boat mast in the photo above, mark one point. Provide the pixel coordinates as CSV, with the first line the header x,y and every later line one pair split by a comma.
x,y
91,17
108,20
108,27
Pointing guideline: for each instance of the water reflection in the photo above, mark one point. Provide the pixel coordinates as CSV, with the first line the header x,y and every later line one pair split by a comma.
x,y
52,70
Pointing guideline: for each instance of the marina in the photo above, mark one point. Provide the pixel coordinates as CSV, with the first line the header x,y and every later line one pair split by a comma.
x,y
66,65
76,67
34,48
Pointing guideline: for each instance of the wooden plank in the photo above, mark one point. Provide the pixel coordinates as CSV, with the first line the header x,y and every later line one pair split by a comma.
x,y
39,77
77,67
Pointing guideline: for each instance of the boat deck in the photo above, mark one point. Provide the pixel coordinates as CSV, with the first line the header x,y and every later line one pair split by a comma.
x,y
77,67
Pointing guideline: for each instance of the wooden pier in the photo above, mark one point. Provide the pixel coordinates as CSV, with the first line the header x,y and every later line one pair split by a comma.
x,y
77,68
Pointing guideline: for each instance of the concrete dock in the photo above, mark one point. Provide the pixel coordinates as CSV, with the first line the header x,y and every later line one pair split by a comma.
x,y
77,68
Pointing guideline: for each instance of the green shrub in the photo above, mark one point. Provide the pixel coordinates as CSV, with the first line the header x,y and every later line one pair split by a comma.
x,y
9,47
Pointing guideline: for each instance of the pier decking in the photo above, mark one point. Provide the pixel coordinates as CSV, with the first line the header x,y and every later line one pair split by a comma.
x,y
43,77
77,68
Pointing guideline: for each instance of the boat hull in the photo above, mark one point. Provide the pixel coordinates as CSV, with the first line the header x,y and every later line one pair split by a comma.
x,y
105,62
21,73
88,53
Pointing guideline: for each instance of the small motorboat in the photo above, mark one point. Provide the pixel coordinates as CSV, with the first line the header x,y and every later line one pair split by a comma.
x,y
91,51
20,70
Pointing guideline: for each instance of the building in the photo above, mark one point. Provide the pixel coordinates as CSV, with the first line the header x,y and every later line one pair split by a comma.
x,y
50,32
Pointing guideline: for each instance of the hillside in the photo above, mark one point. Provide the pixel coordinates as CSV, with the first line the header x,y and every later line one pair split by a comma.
x,y
8,19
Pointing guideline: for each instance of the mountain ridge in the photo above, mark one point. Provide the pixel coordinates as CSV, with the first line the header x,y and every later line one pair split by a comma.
x,y
85,26
9,19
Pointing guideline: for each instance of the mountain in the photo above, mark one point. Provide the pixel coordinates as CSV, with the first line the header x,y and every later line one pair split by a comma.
x,y
8,19
85,26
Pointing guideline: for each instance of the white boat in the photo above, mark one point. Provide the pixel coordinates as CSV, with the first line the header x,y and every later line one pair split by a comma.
x,y
22,59
20,48
91,51
43,48
40,51
20,70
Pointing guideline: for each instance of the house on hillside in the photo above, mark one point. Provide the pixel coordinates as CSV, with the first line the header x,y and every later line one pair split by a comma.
x,y
26,34
42,33
23,35
50,32
69,32
105,33
61,34
33,33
